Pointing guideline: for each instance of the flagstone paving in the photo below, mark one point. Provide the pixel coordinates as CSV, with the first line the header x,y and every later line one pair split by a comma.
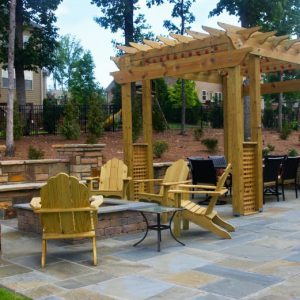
x,y
261,261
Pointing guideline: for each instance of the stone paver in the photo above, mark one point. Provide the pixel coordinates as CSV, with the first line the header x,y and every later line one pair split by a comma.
x,y
261,262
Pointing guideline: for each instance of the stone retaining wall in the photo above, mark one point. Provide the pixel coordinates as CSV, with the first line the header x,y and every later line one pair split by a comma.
x,y
109,224
12,171
82,157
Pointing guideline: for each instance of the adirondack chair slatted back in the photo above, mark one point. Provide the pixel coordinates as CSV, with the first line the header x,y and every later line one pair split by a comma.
x,y
219,187
112,175
63,192
177,172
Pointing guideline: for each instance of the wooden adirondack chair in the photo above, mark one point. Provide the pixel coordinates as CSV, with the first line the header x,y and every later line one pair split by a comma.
x,y
206,217
176,174
66,211
113,180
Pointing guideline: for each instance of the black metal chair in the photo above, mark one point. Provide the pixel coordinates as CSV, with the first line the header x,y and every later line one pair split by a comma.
x,y
219,161
271,174
203,171
289,173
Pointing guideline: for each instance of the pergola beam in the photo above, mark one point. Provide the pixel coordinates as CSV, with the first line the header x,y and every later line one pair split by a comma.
x,y
276,87
182,66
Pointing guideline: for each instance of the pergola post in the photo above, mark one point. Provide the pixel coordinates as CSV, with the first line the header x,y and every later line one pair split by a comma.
x,y
147,126
226,113
236,136
255,123
127,131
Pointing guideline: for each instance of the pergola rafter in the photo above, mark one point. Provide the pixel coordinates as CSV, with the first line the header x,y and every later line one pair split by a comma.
x,y
222,56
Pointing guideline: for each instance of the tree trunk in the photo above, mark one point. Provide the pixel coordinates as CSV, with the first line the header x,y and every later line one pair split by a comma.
x,y
19,66
280,104
10,101
183,107
129,29
183,96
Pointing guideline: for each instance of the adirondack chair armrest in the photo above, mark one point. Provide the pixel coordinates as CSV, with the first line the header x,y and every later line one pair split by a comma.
x,y
210,193
96,201
127,179
197,186
92,178
35,203
147,180
175,183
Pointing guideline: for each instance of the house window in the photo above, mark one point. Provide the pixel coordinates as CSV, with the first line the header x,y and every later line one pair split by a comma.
x,y
204,95
28,75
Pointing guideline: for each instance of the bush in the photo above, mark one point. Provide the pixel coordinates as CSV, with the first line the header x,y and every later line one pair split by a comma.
x,y
158,120
271,147
198,133
18,125
95,121
52,112
286,131
211,144
293,152
159,147
34,153
70,128
294,125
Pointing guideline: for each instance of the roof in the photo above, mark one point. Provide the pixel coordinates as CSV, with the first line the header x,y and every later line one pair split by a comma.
x,y
200,55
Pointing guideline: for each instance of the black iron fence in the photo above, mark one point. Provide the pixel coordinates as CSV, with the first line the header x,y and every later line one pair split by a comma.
x,y
45,119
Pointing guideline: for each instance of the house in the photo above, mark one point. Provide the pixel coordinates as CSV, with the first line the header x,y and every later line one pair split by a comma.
x,y
35,86
35,83
207,92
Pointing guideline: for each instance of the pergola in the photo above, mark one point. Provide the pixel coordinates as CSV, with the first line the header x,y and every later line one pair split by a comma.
x,y
221,56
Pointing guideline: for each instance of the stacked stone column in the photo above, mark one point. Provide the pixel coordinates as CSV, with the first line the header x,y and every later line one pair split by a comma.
x,y
83,157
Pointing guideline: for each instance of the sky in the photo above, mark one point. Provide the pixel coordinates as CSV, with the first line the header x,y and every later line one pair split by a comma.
x,y
76,17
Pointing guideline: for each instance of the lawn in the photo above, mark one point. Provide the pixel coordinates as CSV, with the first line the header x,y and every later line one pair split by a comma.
x,y
8,295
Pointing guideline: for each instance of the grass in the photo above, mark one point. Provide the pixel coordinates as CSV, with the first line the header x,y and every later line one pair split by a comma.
x,y
178,126
8,295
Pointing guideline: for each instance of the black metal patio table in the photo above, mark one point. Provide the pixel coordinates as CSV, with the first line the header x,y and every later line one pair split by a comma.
x,y
158,210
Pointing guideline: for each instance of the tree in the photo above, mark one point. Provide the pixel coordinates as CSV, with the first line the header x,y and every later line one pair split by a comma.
x,y
82,84
38,18
10,100
280,15
66,55
120,15
181,10
190,93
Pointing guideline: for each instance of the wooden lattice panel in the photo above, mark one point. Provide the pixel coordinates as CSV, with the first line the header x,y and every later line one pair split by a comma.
x,y
139,164
249,196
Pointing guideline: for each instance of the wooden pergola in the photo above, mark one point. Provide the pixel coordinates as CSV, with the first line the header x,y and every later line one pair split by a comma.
x,y
221,56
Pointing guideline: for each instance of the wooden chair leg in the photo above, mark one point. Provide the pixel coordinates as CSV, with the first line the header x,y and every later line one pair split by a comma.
x,y
219,221
185,224
44,250
216,229
94,251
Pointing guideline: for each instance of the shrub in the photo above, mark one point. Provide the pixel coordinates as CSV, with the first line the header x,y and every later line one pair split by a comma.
x,y
286,131
271,147
294,125
137,122
198,133
70,128
18,125
265,151
52,112
211,144
34,153
95,121
159,147
158,119
293,152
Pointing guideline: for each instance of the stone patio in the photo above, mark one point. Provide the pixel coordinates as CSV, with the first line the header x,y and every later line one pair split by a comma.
x,y
262,261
